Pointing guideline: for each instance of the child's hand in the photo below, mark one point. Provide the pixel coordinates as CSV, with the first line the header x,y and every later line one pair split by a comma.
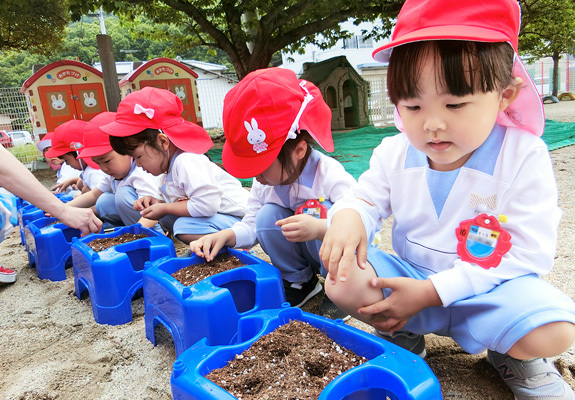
x,y
302,228
145,202
344,245
208,246
408,297
155,211
61,187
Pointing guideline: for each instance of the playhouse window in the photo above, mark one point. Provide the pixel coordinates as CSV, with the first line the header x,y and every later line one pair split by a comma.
x,y
331,97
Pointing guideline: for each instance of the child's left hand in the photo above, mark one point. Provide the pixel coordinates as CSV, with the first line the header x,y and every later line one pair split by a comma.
x,y
302,228
155,211
408,297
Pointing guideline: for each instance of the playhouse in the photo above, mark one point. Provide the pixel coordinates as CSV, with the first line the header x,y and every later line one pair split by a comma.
x,y
62,91
165,73
343,89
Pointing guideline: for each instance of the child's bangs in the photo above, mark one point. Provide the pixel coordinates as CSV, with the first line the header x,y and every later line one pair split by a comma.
x,y
462,67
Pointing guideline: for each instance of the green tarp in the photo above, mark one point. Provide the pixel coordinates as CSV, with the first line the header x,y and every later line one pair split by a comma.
x,y
354,148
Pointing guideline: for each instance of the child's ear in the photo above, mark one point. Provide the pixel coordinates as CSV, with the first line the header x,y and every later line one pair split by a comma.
x,y
300,150
163,141
510,93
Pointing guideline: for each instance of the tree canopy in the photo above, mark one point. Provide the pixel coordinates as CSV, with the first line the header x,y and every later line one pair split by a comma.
x,y
250,32
34,25
548,30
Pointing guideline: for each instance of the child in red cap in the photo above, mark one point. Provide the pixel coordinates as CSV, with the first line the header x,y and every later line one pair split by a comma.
x,y
198,197
125,182
66,142
471,188
270,120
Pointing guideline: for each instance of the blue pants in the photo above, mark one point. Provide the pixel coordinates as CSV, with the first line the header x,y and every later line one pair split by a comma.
x,y
198,225
118,208
495,320
297,261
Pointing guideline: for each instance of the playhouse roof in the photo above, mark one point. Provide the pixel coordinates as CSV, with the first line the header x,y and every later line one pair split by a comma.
x,y
320,71
135,73
57,64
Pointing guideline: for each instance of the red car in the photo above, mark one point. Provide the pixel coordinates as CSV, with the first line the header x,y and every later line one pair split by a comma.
x,y
5,139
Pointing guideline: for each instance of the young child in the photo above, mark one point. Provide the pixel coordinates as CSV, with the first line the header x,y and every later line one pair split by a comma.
x,y
469,153
270,119
66,141
199,197
124,183
43,146
66,176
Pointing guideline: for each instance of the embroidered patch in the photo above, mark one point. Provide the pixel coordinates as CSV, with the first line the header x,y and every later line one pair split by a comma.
x,y
476,200
75,145
256,136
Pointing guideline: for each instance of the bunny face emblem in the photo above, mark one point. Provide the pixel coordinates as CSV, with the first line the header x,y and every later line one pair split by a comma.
x,y
58,103
256,136
180,92
90,101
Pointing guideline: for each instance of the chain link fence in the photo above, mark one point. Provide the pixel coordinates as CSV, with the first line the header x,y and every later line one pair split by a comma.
x,y
17,135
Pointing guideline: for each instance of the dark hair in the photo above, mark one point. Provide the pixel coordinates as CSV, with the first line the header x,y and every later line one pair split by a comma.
x,y
284,156
466,67
72,153
127,144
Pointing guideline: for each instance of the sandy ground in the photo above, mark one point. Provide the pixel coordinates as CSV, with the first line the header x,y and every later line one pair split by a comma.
x,y
51,347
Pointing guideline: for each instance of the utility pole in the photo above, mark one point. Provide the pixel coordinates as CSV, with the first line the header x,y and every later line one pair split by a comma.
x,y
108,62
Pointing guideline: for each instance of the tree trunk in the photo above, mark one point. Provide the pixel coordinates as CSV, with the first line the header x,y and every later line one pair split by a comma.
x,y
556,58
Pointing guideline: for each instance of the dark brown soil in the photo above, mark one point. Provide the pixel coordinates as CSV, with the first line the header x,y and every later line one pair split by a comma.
x,y
195,273
105,243
295,361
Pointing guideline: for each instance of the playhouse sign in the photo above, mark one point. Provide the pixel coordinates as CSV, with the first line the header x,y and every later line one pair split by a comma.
x,y
162,69
69,73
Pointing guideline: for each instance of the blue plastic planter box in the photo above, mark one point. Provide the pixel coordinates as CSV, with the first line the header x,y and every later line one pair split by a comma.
x,y
28,214
391,371
49,247
212,307
113,276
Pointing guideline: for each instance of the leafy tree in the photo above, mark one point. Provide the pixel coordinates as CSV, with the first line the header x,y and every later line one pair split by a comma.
x,y
548,30
250,32
33,25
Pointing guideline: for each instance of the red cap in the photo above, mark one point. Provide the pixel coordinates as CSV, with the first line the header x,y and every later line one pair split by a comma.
x,y
264,110
96,141
69,137
161,109
473,20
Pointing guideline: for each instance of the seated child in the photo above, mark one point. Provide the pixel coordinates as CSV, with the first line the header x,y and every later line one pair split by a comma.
x,y
270,121
469,153
124,183
66,141
198,197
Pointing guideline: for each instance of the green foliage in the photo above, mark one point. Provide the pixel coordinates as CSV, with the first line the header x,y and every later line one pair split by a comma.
x,y
547,27
33,25
131,43
250,32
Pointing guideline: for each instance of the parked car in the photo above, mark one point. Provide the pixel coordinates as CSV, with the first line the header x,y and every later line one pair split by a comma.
x,y
6,139
21,137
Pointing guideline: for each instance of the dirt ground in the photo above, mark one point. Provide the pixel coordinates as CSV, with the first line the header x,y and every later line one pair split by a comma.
x,y
51,347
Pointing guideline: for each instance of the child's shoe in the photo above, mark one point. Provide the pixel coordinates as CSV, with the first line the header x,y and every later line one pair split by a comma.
x,y
532,379
407,340
7,275
297,294
329,310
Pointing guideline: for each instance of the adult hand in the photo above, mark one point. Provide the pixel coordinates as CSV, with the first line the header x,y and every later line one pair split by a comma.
x,y
80,218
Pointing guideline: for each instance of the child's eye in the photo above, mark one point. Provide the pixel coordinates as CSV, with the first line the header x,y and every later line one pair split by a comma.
x,y
411,108
455,106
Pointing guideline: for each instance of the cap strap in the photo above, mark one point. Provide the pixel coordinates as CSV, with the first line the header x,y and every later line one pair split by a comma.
x,y
294,126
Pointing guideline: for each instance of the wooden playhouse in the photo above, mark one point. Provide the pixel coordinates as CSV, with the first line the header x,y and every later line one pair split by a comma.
x,y
169,74
62,91
343,89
